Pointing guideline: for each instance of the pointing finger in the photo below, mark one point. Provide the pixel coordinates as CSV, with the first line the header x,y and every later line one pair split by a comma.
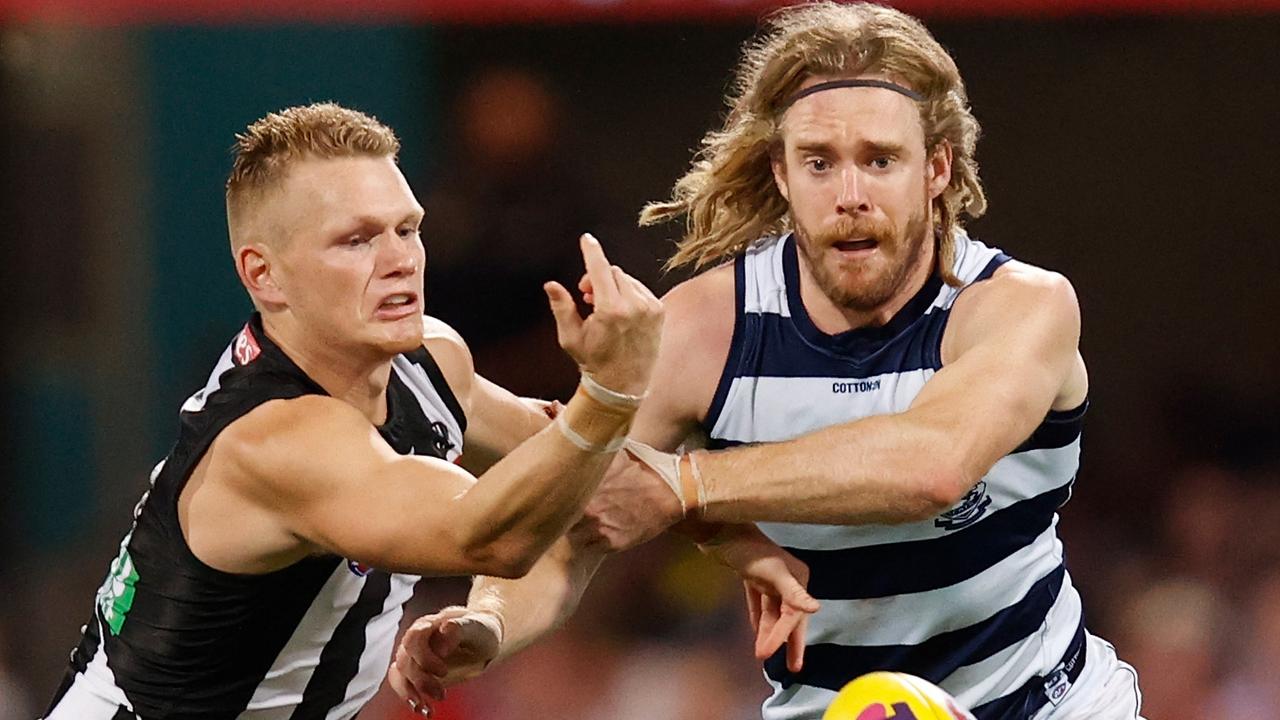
x,y
599,273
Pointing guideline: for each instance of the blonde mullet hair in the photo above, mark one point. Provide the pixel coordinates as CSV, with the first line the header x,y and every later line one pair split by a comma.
x,y
728,197
266,149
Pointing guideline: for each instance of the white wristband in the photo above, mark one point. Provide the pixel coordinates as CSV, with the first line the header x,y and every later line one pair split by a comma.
x,y
612,398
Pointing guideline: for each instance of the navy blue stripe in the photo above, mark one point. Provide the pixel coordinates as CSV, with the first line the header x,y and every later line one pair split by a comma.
x,y
990,269
831,666
1022,703
740,334
340,659
860,342
776,348
1059,429
875,571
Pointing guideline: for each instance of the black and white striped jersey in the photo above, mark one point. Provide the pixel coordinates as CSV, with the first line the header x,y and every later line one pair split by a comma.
x,y
978,599
171,637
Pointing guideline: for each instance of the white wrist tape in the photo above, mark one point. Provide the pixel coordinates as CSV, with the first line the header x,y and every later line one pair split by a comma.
x,y
609,397
584,444
689,490
491,620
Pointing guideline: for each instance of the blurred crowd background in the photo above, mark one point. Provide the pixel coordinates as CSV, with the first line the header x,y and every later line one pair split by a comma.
x,y
1130,146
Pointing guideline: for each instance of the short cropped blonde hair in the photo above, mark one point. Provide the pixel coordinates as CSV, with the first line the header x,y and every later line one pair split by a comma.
x,y
265,150
728,197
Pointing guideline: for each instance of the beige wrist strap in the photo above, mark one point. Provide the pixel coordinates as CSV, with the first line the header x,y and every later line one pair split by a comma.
x,y
691,484
584,444
593,425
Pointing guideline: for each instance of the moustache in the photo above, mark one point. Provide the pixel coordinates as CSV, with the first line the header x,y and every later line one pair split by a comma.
x,y
847,228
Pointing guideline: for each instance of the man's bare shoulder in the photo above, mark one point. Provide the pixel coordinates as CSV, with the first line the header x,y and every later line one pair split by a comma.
x,y
1018,287
453,356
702,308
696,336
1018,298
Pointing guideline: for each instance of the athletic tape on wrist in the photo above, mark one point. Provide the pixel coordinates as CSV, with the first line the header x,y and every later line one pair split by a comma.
x,y
492,620
668,467
691,483
609,397
584,444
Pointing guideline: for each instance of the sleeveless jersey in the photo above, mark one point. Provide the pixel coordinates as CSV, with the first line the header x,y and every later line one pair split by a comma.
x,y
976,600
172,637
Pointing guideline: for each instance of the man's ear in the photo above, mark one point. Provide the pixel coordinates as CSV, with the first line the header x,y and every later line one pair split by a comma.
x,y
938,170
778,161
255,267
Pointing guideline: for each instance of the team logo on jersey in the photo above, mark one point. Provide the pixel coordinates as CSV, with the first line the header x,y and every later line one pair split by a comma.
x,y
440,439
359,569
971,507
245,348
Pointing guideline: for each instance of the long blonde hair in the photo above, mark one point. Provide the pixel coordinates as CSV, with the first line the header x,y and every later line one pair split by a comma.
x,y
728,196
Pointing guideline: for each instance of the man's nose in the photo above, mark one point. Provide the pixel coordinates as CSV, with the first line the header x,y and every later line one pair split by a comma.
x,y
853,198
400,254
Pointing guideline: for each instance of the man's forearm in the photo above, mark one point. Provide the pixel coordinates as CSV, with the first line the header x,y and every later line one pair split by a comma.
x,y
877,470
529,498
536,604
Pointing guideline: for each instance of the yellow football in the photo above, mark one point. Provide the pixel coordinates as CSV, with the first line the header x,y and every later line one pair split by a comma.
x,y
894,696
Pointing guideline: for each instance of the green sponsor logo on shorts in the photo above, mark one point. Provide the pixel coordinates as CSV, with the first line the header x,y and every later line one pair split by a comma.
x,y
115,597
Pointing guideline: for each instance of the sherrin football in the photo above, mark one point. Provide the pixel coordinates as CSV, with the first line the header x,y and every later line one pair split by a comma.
x,y
894,696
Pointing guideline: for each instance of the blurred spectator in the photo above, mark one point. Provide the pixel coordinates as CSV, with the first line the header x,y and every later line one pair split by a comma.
x,y
1203,508
1252,689
1171,632
502,219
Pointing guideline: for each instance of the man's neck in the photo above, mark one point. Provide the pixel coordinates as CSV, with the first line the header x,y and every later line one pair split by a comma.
x,y
359,379
833,318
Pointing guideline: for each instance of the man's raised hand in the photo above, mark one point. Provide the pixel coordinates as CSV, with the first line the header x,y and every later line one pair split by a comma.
x,y
617,343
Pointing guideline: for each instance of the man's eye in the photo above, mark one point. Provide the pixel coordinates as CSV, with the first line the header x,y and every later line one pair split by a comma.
x,y
882,162
819,165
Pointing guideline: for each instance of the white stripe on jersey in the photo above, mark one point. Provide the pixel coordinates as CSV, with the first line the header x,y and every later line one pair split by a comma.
x,y
94,693
800,405
195,403
1006,671
380,637
913,618
281,688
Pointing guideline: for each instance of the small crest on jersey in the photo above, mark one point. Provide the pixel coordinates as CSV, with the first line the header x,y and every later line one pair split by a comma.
x,y
1056,686
245,348
359,569
971,507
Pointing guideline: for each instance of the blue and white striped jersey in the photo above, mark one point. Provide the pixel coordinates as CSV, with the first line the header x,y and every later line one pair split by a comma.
x,y
976,600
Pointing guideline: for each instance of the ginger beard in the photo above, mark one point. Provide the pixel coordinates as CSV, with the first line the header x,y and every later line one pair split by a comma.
x,y
863,283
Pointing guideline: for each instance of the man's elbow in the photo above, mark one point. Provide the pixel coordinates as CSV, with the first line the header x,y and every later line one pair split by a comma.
x,y
940,487
504,557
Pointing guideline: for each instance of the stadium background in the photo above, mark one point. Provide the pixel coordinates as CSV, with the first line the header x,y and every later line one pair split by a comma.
x,y
1130,145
